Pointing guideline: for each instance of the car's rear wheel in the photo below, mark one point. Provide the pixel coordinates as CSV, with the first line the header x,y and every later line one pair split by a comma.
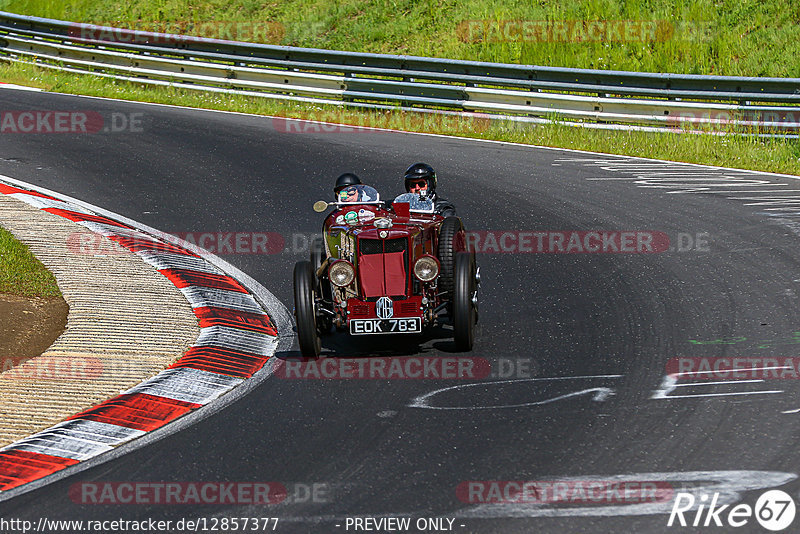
x,y
452,240
465,313
304,310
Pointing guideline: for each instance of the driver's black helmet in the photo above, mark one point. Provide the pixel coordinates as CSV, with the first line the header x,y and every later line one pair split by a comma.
x,y
345,180
421,171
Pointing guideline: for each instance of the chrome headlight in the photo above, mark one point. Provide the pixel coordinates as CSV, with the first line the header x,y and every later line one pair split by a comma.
x,y
426,268
341,273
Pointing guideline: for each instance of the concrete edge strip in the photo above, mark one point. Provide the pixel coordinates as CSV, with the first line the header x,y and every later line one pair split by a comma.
x,y
232,354
6,85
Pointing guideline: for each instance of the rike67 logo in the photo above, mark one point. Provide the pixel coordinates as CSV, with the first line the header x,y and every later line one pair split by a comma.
x,y
774,510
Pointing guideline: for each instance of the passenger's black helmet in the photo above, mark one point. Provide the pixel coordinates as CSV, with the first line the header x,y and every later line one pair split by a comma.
x,y
345,180
421,171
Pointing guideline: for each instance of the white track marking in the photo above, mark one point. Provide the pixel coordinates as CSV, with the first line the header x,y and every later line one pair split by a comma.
x,y
677,178
716,383
665,176
600,393
670,382
16,87
732,394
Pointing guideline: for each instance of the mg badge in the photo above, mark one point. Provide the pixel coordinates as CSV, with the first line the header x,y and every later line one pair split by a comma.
x,y
385,308
383,234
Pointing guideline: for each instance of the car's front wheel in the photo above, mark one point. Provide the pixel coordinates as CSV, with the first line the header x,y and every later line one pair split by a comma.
x,y
304,312
322,284
452,240
317,252
465,312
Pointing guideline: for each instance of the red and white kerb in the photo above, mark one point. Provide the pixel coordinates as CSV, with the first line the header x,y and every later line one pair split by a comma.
x,y
236,339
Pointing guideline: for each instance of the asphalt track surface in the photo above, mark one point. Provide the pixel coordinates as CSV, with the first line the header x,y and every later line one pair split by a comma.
x,y
619,317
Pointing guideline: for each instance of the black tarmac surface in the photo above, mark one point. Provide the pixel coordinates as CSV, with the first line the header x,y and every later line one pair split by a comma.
x,y
579,343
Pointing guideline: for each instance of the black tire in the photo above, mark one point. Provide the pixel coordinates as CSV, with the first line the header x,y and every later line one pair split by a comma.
x,y
451,236
323,286
464,313
304,313
317,252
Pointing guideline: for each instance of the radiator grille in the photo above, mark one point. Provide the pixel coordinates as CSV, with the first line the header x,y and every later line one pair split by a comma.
x,y
407,308
371,246
360,310
395,245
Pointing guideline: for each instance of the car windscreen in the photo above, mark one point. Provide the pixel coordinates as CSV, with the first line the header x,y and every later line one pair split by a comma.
x,y
355,194
416,202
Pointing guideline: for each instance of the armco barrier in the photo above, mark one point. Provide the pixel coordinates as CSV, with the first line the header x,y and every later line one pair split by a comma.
x,y
579,96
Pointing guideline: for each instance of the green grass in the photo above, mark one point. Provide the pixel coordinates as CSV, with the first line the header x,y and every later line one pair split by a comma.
x,y
744,37
21,273
774,155
730,37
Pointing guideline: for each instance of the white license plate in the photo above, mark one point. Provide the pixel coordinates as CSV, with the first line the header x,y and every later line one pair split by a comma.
x,y
411,325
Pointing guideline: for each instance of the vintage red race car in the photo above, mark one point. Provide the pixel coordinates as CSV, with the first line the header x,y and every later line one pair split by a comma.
x,y
381,269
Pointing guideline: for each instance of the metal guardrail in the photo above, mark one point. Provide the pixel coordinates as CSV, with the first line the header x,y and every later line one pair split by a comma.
x,y
379,80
